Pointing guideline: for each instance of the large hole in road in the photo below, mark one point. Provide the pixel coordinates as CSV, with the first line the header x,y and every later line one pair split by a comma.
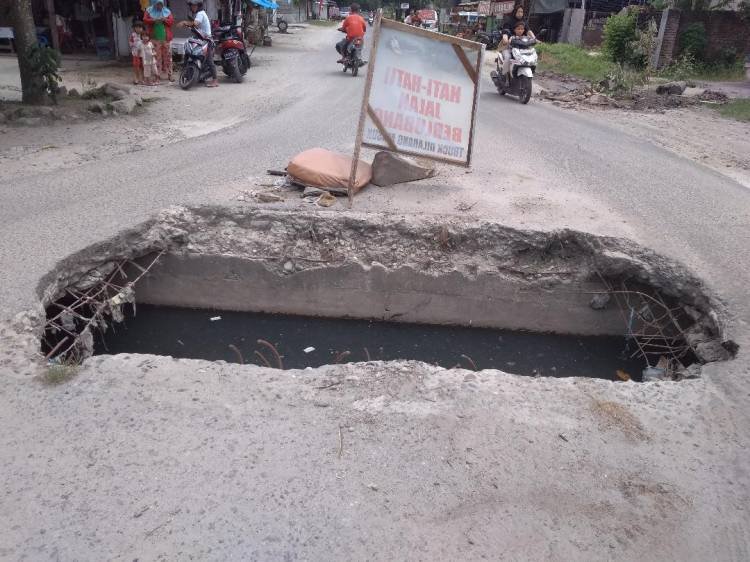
x,y
295,290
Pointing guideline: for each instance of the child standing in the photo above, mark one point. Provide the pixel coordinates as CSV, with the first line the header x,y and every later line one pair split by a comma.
x,y
148,56
135,43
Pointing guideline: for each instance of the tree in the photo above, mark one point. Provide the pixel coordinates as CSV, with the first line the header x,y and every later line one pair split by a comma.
x,y
24,33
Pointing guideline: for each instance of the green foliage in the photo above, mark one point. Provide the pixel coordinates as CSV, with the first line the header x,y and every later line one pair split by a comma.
x,y
659,5
693,41
570,60
683,68
643,46
59,373
44,63
727,56
619,35
623,79
686,68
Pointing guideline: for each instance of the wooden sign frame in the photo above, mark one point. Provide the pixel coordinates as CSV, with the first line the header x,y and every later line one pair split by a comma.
x,y
473,70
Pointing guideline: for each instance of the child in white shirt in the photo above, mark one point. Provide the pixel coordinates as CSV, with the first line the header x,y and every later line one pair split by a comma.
x,y
148,56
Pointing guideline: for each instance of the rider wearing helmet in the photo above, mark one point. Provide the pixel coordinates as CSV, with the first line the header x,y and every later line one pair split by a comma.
x,y
355,27
202,25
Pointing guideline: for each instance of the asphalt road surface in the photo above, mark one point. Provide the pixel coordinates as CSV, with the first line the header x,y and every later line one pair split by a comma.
x,y
582,173
535,166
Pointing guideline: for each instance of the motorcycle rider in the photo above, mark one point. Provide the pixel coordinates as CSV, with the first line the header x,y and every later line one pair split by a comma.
x,y
202,25
355,27
519,30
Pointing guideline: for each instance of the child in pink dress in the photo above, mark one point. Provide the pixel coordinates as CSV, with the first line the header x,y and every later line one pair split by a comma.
x,y
135,42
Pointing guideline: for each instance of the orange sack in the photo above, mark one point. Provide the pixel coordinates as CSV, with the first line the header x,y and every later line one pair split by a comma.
x,y
322,168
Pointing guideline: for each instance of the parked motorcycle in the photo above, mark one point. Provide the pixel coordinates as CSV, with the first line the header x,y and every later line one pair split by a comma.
x,y
522,66
491,40
281,24
352,58
230,47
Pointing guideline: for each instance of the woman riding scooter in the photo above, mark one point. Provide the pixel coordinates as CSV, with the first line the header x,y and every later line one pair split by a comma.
x,y
519,29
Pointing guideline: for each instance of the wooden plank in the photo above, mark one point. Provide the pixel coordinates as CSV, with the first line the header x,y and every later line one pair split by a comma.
x,y
365,105
465,61
459,163
480,62
386,135
435,35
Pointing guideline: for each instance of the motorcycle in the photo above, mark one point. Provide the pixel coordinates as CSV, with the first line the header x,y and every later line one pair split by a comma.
x,y
230,47
522,66
490,40
352,58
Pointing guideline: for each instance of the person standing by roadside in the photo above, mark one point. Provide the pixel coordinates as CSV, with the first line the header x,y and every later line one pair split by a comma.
x,y
202,25
159,19
135,48
147,53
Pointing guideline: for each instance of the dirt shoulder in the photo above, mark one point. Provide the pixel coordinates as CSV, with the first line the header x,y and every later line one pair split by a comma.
x,y
691,129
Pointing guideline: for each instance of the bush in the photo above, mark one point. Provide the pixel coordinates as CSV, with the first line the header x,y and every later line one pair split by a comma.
x,y
45,63
619,34
728,56
693,41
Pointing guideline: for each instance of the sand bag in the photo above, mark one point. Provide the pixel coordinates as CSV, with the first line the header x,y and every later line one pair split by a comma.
x,y
322,168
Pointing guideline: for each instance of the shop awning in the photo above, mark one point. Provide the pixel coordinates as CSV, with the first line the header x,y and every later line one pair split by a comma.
x,y
549,6
269,4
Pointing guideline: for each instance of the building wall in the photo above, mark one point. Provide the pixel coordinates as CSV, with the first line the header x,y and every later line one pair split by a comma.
x,y
671,25
291,12
725,30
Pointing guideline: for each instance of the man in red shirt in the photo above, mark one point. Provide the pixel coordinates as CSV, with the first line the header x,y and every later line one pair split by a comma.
x,y
355,27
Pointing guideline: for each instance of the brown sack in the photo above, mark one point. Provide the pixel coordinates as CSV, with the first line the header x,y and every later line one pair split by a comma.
x,y
322,168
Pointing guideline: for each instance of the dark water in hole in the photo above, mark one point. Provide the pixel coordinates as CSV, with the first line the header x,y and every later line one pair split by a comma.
x,y
189,333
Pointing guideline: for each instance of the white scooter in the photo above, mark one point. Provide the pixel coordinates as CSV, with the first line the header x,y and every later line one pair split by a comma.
x,y
522,66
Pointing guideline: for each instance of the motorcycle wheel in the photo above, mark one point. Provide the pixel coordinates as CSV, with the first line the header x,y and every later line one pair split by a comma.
x,y
524,89
234,70
189,76
282,26
244,64
345,69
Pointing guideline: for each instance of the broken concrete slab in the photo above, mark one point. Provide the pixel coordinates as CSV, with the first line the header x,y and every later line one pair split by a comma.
x,y
389,169
671,88
310,191
124,106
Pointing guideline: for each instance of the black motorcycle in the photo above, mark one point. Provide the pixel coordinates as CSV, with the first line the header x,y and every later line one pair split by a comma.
x,y
490,40
230,47
352,58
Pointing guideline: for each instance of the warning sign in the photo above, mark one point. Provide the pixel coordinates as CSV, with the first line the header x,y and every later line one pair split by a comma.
x,y
422,93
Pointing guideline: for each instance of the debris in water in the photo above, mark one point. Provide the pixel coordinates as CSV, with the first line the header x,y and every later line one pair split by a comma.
x,y
622,375
309,349
215,318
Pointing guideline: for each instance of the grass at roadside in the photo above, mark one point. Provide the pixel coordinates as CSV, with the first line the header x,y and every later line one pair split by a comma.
x,y
736,109
59,374
686,69
573,61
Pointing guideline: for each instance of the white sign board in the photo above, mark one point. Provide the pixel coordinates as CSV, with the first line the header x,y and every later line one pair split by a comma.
x,y
404,5
423,92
